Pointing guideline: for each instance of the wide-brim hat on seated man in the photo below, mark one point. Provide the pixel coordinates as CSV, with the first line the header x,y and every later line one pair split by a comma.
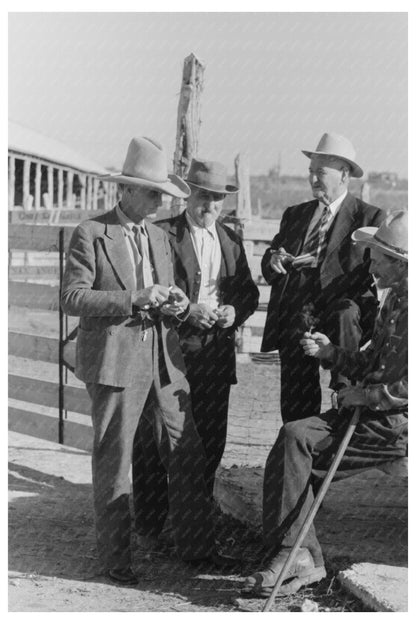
x,y
391,237
146,165
337,146
210,176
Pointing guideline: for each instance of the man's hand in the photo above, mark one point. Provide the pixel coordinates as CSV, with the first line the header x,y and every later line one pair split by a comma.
x,y
152,296
202,316
226,316
279,259
315,345
351,397
302,262
176,303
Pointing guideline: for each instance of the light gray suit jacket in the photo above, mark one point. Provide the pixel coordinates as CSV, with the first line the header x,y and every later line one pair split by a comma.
x,y
98,285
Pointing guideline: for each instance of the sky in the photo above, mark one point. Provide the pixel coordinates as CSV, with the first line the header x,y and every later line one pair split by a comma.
x,y
273,83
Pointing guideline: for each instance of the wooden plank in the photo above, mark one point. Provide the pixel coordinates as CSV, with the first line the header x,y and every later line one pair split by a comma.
x,y
40,392
34,347
43,271
36,296
242,174
60,187
50,185
37,238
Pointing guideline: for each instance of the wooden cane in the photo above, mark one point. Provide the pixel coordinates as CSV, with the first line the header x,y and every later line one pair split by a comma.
x,y
315,506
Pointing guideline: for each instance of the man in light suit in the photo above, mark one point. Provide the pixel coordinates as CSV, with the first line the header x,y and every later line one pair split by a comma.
x,y
119,281
210,266
319,278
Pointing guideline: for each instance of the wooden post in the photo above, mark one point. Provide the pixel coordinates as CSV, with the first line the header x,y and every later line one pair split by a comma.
x,y
37,186
69,189
26,184
89,192
12,181
365,192
243,214
94,193
242,175
188,121
50,187
60,188
82,181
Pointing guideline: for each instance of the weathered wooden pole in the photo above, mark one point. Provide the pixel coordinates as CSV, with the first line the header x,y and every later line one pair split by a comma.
x,y
188,120
365,192
243,215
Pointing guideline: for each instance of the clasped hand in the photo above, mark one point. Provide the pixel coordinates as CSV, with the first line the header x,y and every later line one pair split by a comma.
x,y
203,316
171,300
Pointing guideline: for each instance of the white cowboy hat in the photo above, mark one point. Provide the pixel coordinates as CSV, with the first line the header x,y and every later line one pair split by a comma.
x,y
145,165
335,145
391,237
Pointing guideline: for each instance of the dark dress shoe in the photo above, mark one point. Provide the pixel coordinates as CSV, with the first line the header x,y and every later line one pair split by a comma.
x,y
124,576
217,560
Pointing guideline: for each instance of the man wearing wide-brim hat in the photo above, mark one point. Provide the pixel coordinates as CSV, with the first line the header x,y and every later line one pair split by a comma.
x,y
119,281
318,277
210,266
306,447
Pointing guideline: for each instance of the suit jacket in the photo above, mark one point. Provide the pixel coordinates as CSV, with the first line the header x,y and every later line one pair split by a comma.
x,y
344,272
236,284
98,285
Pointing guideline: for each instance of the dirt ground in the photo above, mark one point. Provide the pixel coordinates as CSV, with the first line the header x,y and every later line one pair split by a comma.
x,y
52,557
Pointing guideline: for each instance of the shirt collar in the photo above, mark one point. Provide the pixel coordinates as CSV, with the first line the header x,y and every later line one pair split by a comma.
x,y
334,206
127,223
197,228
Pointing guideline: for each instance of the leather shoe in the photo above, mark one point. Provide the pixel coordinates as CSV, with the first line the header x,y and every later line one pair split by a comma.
x,y
124,576
302,573
217,560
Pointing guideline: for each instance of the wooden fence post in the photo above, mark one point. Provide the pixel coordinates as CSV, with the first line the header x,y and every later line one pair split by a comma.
x,y
365,192
188,121
243,214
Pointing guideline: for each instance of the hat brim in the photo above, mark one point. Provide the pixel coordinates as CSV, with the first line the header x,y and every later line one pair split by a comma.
x,y
356,171
365,236
227,190
174,185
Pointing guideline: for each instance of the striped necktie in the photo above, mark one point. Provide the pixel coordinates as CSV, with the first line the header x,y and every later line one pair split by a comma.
x,y
315,244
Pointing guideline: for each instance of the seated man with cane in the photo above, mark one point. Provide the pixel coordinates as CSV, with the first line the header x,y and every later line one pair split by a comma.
x,y
306,448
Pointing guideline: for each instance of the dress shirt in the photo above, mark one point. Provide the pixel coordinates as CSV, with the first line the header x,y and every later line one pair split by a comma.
x,y
140,258
208,252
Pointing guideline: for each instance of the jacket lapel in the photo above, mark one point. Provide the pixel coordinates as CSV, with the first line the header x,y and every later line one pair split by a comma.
x,y
117,252
157,255
181,242
227,256
342,226
299,230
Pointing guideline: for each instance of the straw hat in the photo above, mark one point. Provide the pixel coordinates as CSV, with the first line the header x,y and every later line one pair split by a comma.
x,y
335,145
391,237
145,165
209,175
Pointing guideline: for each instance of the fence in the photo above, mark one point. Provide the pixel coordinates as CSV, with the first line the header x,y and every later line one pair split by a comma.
x,y
36,287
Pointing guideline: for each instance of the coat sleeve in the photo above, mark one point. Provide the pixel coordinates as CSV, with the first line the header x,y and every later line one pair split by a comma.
x,y
245,297
268,273
78,296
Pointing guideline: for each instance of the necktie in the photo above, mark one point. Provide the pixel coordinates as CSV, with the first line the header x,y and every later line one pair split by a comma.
x,y
143,269
315,244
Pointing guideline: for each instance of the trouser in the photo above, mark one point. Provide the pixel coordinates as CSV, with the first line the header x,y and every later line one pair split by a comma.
x,y
306,448
300,390
210,390
115,415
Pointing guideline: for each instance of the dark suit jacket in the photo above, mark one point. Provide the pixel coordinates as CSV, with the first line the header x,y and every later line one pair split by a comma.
x,y
97,286
344,273
236,284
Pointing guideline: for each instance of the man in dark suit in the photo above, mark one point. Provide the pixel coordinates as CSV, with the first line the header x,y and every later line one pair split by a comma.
x,y
210,266
119,281
319,278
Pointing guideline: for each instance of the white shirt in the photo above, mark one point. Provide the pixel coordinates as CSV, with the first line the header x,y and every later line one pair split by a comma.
x,y
141,266
208,252
333,210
